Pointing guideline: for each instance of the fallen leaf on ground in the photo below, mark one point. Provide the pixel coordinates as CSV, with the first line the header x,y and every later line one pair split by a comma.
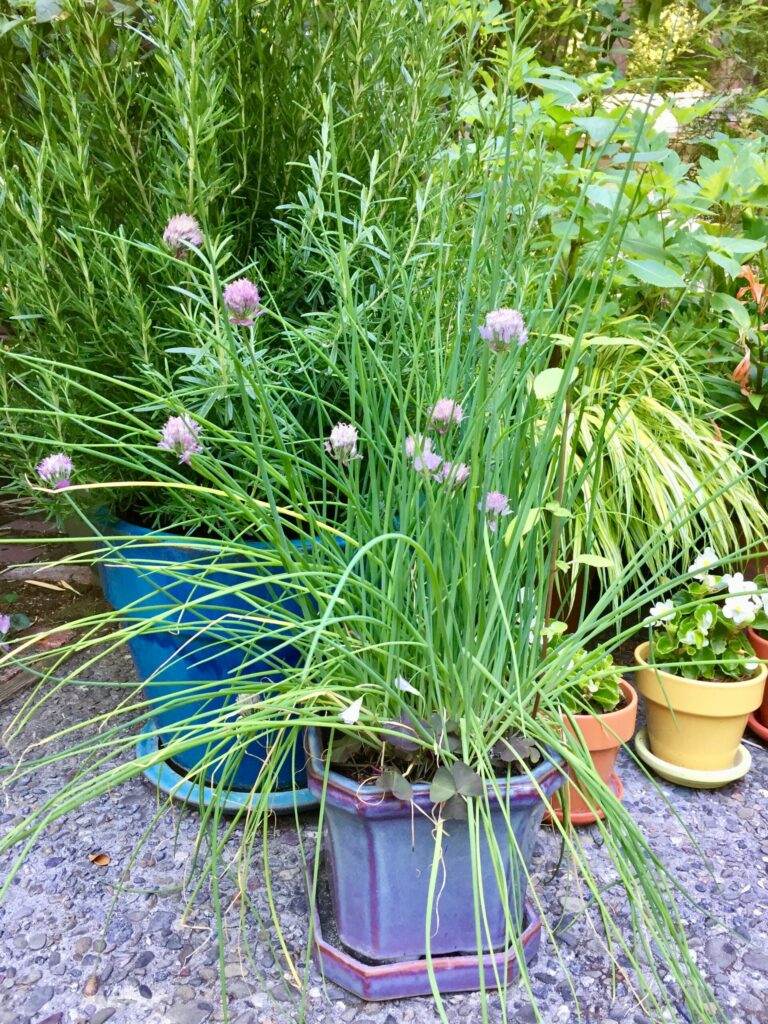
x,y
101,860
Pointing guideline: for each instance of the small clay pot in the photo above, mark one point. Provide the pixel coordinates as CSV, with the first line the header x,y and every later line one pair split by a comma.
x,y
603,735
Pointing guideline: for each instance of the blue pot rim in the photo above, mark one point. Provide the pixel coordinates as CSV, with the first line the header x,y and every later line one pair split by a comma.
x,y
367,801
171,782
178,540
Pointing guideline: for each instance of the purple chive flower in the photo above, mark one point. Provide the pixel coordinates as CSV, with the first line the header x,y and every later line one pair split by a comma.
x,y
343,443
495,505
180,436
242,300
416,443
453,475
502,327
428,463
56,470
5,625
181,232
444,414
418,448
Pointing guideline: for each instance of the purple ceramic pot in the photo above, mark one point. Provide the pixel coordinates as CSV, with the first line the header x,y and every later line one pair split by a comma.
x,y
379,853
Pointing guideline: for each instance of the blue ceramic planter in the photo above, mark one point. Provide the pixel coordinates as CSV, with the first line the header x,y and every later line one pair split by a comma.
x,y
188,665
379,856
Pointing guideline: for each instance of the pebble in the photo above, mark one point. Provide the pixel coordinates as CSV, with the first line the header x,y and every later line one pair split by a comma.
x,y
37,998
36,941
186,1013
145,991
757,961
103,1015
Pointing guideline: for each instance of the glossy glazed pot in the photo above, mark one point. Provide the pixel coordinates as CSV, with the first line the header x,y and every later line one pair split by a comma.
x,y
379,852
603,735
189,665
692,723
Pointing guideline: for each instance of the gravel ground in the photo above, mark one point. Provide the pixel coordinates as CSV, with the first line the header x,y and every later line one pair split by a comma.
x,y
73,949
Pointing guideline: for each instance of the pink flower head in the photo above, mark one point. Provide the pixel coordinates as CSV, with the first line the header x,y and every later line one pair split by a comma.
x,y
343,443
418,448
56,470
416,444
180,435
5,625
181,232
242,300
495,505
453,475
444,414
502,327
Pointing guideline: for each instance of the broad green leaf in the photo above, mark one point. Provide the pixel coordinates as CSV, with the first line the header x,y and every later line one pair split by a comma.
x,y
547,383
443,787
652,272
530,521
731,267
647,156
47,10
598,128
721,302
558,510
735,246
595,561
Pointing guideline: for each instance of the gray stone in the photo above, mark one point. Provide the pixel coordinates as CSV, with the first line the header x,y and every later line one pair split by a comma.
x,y
756,961
82,946
145,957
36,941
186,1013
37,998
721,952
103,1015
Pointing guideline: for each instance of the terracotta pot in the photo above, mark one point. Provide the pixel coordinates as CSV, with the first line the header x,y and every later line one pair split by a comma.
x,y
760,644
692,723
603,735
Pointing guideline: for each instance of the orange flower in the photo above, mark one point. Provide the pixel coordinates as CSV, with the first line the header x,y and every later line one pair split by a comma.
x,y
741,374
758,291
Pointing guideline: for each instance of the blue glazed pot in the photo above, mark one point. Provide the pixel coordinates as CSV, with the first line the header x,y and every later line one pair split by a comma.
x,y
380,852
188,667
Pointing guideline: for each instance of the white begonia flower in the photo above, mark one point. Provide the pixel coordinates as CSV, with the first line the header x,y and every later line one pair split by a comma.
x,y
351,714
707,620
738,585
751,666
664,609
706,560
741,610
402,684
689,637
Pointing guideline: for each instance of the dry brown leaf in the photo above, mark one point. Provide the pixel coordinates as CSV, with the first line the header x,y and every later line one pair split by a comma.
x,y
91,986
101,860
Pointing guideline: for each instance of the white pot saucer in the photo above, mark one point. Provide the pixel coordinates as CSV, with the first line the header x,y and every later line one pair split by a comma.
x,y
692,777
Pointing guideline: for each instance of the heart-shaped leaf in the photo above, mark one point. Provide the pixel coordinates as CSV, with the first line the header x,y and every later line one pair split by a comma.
x,y
455,809
395,783
468,782
443,786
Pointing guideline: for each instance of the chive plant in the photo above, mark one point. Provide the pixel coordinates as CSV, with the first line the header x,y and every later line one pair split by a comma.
x,y
414,480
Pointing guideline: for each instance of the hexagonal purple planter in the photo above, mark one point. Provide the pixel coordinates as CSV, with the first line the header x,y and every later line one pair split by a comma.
x,y
379,855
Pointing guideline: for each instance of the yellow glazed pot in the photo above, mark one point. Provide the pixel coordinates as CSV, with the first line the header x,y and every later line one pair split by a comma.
x,y
704,727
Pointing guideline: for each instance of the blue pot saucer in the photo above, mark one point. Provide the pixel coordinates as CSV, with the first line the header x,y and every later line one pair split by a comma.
x,y
168,779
